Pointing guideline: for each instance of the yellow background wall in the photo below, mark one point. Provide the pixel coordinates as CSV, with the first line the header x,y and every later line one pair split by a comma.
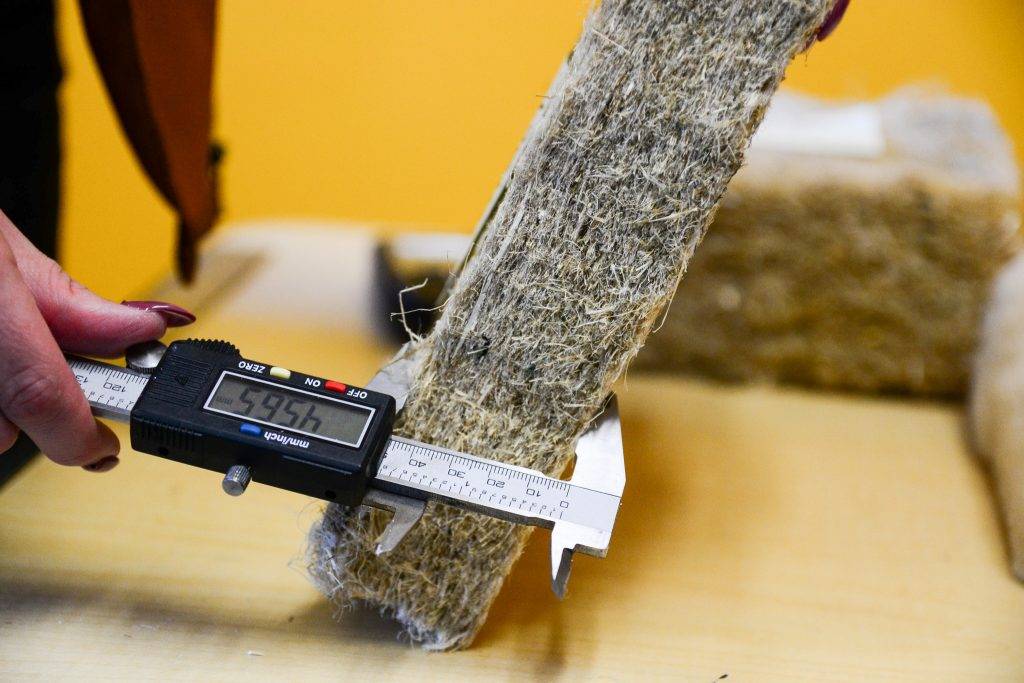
x,y
408,112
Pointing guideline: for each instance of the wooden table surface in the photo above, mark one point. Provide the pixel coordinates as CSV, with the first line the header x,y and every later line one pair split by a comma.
x,y
764,534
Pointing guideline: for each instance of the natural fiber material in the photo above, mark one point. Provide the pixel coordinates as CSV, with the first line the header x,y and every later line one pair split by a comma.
x,y
997,402
607,198
865,273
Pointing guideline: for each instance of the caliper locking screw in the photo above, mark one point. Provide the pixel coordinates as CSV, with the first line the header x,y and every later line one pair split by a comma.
x,y
145,356
236,480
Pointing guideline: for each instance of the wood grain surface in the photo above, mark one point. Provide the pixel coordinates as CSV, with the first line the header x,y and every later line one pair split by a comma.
x,y
764,534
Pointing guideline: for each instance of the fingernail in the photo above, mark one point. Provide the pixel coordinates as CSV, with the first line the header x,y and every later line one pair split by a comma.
x,y
833,19
174,315
103,464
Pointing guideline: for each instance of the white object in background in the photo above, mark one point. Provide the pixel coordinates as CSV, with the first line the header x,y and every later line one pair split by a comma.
x,y
997,401
286,272
798,125
430,247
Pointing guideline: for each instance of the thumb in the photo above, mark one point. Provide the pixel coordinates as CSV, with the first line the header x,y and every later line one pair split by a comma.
x,y
79,320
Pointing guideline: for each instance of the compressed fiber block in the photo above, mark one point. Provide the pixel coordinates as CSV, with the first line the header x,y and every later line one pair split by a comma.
x,y
997,402
608,196
854,250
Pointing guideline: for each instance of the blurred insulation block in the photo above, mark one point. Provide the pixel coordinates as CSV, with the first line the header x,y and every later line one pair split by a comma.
x,y
855,250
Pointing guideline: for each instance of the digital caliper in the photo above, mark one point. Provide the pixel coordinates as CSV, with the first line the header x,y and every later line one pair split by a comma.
x,y
201,403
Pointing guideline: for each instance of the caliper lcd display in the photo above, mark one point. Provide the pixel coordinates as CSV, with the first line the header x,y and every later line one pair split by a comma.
x,y
294,410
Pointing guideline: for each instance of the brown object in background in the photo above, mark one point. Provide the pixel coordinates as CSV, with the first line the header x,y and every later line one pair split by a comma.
x,y
866,268
156,57
607,198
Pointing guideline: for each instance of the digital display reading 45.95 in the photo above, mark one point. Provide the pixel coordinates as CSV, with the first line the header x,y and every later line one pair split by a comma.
x,y
291,409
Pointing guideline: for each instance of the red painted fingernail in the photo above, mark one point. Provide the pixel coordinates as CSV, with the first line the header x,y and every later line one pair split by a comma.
x,y
833,19
175,316
103,464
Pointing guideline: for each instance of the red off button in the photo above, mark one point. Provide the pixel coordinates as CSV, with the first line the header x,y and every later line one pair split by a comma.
x,y
331,385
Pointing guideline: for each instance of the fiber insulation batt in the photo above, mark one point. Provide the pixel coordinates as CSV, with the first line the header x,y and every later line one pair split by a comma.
x,y
605,202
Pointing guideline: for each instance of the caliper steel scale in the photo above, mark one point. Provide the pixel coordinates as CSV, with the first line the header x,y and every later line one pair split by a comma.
x,y
201,403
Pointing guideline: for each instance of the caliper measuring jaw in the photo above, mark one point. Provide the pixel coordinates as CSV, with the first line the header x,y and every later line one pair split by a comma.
x,y
395,379
599,466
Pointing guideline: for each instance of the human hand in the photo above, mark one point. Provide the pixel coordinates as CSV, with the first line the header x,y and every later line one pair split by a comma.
x,y
44,312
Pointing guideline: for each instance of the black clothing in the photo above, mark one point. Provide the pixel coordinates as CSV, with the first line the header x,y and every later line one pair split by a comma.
x,y
30,73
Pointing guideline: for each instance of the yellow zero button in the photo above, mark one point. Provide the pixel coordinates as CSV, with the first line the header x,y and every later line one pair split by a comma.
x,y
280,373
